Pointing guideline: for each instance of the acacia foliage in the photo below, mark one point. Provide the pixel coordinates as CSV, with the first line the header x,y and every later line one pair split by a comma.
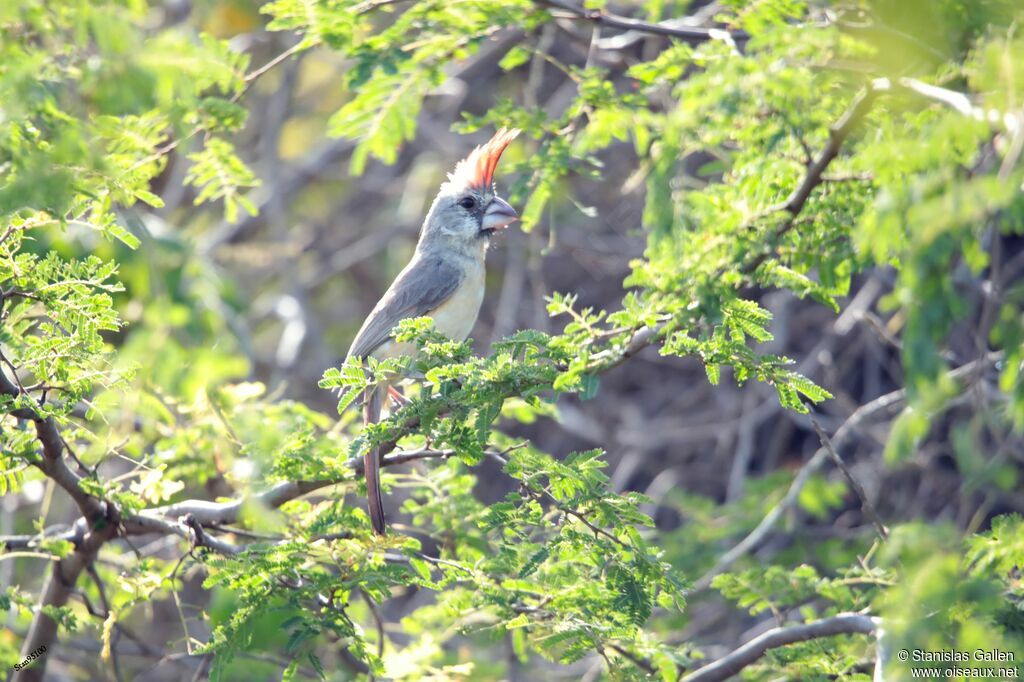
x,y
97,95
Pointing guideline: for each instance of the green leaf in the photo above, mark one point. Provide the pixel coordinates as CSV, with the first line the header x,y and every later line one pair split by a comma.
x,y
520,621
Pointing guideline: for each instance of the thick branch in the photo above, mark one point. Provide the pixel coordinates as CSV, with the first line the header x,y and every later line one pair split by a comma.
x,y
185,527
56,592
52,461
100,518
724,668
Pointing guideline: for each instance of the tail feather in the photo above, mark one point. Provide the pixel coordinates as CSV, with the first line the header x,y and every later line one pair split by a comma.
x,y
371,462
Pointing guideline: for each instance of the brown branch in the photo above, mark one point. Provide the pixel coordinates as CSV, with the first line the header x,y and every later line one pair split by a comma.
x,y
793,205
100,524
52,463
540,495
377,620
56,592
815,175
102,590
851,118
638,661
732,664
838,133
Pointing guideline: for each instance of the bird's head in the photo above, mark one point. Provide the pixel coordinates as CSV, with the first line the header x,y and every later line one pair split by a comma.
x,y
467,210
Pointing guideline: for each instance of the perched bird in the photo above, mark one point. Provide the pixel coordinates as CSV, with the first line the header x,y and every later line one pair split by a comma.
x,y
444,280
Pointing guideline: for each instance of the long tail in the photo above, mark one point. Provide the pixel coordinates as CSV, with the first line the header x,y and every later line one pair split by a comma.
x,y
371,461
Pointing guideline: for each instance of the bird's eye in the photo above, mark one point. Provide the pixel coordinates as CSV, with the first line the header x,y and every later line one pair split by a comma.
x,y
467,202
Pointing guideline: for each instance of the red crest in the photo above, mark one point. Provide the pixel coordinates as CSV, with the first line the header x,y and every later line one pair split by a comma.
x,y
477,169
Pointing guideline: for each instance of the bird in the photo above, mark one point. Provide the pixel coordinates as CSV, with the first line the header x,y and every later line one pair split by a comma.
x,y
444,280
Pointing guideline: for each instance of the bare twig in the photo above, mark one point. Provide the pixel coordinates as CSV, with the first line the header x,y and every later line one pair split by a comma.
x,y
869,509
294,49
114,660
378,621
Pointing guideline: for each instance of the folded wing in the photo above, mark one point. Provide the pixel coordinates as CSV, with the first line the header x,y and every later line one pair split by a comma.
x,y
425,283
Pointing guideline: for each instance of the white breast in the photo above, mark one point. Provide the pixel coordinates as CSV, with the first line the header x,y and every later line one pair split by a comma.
x,y
455,317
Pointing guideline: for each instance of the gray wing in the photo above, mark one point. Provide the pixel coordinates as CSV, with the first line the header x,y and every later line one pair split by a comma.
x,y
424,284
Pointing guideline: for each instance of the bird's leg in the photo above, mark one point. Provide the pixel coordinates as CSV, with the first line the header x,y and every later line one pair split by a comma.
x,y
396,395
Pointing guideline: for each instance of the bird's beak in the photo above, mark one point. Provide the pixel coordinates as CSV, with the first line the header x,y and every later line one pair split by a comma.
x,y
498,215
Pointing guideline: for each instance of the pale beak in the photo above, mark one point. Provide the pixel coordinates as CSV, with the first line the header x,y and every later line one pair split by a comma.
x,y
498,215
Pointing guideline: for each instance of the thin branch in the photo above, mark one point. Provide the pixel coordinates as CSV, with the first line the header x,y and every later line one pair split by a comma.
x,y
94,574
957,101
540,495
692,34
370,5
73,534
7,233
638,661
865,503
883,403
294,49
852,117
250,78
793,204
378,621
223,513
838,133
732,664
